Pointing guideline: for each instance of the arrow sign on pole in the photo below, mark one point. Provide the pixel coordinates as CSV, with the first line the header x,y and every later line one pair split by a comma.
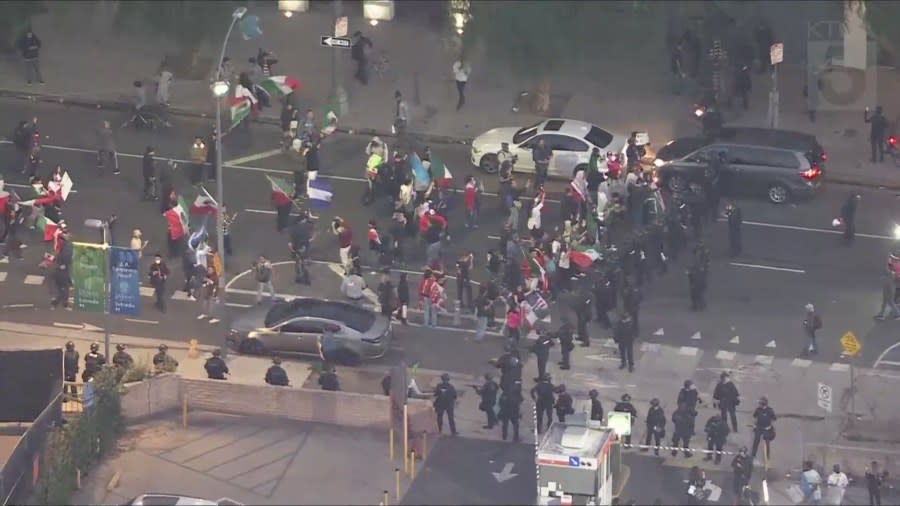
x,y
505,474
329,41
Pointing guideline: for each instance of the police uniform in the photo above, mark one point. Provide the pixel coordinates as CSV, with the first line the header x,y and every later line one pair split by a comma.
x,y
70,366
329,381
510,410
596,406
542,395
216,368
276,375
541,349
488,394
564,404
445,402
566,345
93,362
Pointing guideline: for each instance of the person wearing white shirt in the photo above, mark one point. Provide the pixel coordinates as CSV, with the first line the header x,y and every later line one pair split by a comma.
x,y
202,254
353,287
811,484
837,485
461,71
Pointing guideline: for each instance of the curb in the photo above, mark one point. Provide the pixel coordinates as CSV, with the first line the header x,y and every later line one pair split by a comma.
x,y
95,103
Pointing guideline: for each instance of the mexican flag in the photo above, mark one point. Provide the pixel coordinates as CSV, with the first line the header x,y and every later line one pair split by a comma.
x,y
240,109
47,226
178,220
280,85
204,204
281,191
441,173
583,256
537,271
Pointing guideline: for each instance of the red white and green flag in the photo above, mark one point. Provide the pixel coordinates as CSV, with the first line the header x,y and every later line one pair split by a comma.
x,y
281,85
583,256
281,191
204,204
178,220
47,226
537,271
240,109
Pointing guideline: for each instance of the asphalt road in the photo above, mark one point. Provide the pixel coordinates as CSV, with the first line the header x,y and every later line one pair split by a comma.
x,y
792,255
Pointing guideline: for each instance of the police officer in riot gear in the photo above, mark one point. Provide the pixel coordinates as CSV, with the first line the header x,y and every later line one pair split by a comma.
x,y
162,359
683,420
216,368
716,434
623,335
566,344
763,428
625,406
697,287
603,292
541,349
328,380
510,409
488,394
728,398
122,359
93,362
542,395
510,365
565,405
582,317
276,375
656,426
445,402
596,406
689,395
70,366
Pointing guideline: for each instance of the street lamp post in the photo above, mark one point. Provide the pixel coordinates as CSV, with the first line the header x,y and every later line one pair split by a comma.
x,y
104,226
220,90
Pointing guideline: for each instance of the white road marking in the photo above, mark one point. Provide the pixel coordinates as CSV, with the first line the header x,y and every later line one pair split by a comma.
x,y
601,357
689,351
764,359
241,167
4,260
146,291
696,336
148,322
214,320
10,306
818,230
609,343
179,295
76,326
771,344
494,237
801,362
767,267
235,304
260,211
254,157
650,347
839,367
2,277
659,332
725,355
34,279
735,340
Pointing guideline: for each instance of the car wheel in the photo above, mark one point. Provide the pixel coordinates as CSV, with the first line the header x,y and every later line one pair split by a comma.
x,y
582,166
778,194
489,163
344,356
252,346
676,183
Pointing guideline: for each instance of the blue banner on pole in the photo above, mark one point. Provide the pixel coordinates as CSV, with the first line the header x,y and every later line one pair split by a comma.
x,y
125,281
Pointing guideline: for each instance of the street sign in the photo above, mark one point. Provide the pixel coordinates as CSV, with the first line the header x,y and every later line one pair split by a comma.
x,y
824,395
574,461
341,26
776,53
850,344
329,41
619,422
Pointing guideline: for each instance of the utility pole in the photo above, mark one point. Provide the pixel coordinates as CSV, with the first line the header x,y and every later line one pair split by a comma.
x,y
776,56
337,79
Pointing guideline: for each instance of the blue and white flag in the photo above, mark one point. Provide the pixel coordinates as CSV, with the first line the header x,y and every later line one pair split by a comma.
x,y
319,193
198,235
420,173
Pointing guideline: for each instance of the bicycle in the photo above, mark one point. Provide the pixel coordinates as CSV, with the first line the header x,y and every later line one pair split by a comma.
x,y
146,117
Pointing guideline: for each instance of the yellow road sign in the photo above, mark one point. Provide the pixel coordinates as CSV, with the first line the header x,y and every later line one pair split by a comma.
x,y
850,344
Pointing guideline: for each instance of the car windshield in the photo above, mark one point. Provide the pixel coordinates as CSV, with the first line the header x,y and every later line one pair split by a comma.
x,y
599,137
680,148
525,133
357,318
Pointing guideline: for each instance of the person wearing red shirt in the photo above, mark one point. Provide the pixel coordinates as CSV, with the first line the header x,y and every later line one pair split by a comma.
x,y
470,199
426,286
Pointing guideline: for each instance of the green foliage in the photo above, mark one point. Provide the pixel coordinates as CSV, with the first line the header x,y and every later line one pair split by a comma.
x,y
883,20
188,24
81,443
15,17
139,371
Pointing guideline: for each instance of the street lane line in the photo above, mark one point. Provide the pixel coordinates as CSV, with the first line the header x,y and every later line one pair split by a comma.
x,y
839,367
767,267
242,167
254,157
10,306
689,351
34,279
725,355
260,211
179,295
135,320
76,326
650,347
2,277
764,359
809,229
801,362
235,304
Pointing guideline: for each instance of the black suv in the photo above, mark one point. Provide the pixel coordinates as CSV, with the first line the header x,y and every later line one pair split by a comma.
x,y
779,164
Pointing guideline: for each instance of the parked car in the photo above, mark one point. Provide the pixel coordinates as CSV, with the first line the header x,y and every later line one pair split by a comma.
x,y
571,141
778,164
332,330
155,499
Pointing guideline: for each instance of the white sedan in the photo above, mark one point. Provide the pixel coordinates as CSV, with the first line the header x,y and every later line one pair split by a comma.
x,y
570,140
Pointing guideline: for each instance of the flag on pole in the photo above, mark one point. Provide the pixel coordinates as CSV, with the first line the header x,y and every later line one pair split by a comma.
x,y
66,185
281,191
440,172
178,220
319,193
47,226
583,256
204,204
280,85
537,271
240,109
198,235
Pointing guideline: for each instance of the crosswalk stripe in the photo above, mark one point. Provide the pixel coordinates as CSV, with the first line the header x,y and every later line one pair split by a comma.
x,y
725,355
801,362
2,277
688,350
34,279
764,359
179,295
146,291
650,347
839,367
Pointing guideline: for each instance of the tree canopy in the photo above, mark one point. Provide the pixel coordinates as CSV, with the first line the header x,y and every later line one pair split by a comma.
x,y
883,21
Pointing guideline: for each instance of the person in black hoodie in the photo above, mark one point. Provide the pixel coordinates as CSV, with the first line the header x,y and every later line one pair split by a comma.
x,y
402,298
716,434
728,398
596,406
683,419
564,405
656,426
30,47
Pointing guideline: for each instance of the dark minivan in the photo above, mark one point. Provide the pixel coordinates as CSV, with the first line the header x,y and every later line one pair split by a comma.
x,y
778,164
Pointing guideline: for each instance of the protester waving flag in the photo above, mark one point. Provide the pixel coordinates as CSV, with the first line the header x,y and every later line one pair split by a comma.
x,y
47,226
178,221
204,204
319,193
198,235
583,256
420,173
240,109
280,85
281,191
442,175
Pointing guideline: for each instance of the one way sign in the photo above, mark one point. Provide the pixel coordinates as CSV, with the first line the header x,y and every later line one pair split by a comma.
x,y
329,41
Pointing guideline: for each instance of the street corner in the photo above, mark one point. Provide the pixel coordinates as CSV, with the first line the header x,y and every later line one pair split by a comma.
x,y
467,471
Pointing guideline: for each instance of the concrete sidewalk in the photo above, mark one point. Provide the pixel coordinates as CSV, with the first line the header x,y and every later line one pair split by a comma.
x,y
422,72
